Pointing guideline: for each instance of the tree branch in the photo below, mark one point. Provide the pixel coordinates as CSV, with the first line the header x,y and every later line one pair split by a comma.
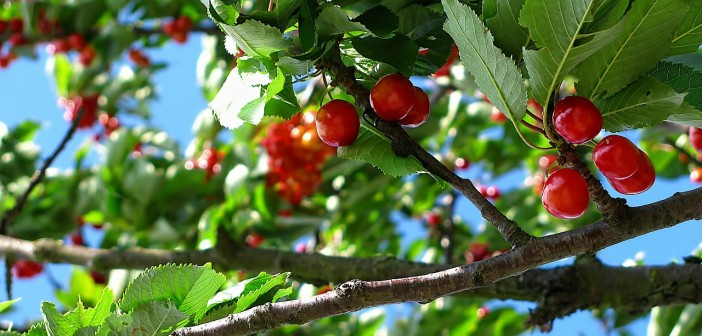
x,y
355,295
404,145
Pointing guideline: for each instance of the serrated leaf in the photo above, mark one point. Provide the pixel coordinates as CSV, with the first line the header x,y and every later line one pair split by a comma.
x,y
284,104
682,78
687,115
606,14
333,21
150,318
688,36
116,325
375,148
398,51
38,329
644,103
240,100
256,39
503,22
223,11
557,29
78,318
188,286
496,75
645,38
284,9
261,285
380,20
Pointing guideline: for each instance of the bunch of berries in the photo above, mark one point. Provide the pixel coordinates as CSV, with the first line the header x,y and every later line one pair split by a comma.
x,y
296,157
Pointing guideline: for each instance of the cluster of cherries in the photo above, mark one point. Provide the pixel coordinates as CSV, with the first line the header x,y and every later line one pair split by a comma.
x,y
627,168
394,98
178,29
297,155
86,52
139,58
88,105
14,28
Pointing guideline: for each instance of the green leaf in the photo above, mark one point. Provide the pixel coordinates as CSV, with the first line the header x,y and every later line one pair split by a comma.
x,y
398,51
606,14
333,21
557,29
284,9
374,148
688,36
240,100
257,39
5,305
78,318
284,104
62,68
687,115
38,329
188,286
644,39
149,318
496,75
224,11
258,287
81,287
306,25
644,103
663,320
293,66
683,79
380,20
503,22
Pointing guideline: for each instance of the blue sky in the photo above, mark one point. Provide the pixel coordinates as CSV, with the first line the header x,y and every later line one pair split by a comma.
x,y
26,92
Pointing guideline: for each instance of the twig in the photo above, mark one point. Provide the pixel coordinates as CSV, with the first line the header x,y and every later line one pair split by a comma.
x,y
404,145
682,151
33,183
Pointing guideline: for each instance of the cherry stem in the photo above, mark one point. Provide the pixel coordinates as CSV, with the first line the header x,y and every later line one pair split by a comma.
x,y
684,152
527,142
532,127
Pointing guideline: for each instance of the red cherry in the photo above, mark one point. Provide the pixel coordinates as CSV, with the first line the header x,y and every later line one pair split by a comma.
x,y
4,62
696,175
27,269
535,107
324,289
539,181
616,157
77,41
3,26
565,194
17,39
577,119
180,37
87,55
419,113
98,278
642,179
16,25
337,123
392,97
477,252
696,138
493,193
57,47
482,190
433,219
445,69
497,115
547,160
183,24
77,239
462,164
254,240
483,311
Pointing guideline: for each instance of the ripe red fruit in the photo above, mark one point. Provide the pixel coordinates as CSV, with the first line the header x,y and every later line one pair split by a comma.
x,y
577,119
59,46
547,160
27,269
493,193
183,24
483,311
477,252
17,39
180,37
696,138
16,25
482,190
392,97
616,157
535,107
98,278
74,105
433,219
462,164
139,58
419,113
254,240
86,56
696,175
565,194
642,179
445,69
3,26
77,239
77,41
497,115
337,123
4,62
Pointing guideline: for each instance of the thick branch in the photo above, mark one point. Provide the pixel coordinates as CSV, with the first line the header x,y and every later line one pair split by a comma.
x,y
403,144
354,295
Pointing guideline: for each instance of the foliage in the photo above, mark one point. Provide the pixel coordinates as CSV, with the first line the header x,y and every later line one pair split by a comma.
x,y
261,62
